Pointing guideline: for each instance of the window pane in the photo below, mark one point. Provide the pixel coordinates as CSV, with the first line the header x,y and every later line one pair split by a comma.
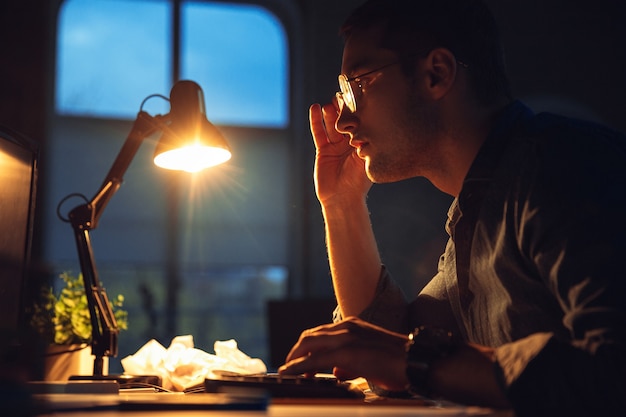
x,y
109,60
238,54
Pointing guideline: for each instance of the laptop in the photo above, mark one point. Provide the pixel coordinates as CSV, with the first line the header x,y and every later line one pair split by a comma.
x,y
18,176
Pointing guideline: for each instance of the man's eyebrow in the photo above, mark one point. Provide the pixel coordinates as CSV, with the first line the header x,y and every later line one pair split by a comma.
x,y
367,63
359,67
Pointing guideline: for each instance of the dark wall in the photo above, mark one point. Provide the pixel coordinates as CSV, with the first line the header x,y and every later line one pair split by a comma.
x,y
25,41
571,49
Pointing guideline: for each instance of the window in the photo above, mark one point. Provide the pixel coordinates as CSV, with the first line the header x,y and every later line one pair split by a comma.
x,y
245,76
111,54
191,254
109,60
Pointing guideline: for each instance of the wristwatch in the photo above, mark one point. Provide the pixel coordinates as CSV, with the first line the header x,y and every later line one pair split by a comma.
x,y
426,344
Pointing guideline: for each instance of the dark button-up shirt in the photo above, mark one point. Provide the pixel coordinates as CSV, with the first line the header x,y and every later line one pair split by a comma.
x,y
535,265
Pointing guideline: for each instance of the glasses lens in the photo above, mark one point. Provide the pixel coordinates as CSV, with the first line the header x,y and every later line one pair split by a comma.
x,y
346,93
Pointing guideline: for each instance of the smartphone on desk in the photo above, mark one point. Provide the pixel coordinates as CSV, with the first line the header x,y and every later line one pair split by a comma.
x,y
282,386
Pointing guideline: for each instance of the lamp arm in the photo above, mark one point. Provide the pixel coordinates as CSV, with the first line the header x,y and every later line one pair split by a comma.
x,y
143,127
84,218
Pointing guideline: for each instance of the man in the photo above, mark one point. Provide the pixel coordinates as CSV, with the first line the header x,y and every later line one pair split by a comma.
x,y
527,309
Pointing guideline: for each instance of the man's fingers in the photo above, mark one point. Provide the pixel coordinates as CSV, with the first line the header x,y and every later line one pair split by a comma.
x,y
315,340
322,123
346,363
343,374
318,130
333,336
314,363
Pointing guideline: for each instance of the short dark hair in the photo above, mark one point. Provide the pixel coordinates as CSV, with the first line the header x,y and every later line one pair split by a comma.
x,y
465,27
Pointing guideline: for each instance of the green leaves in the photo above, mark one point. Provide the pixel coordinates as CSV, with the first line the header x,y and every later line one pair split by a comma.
x,y
65,319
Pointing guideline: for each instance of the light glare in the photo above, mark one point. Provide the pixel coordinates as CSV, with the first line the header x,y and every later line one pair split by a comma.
x,y
193,158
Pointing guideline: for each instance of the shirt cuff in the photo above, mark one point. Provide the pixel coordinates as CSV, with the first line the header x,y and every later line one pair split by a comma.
x,y
513,358
388,309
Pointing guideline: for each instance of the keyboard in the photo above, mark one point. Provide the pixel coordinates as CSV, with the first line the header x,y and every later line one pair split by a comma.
x,y
282,386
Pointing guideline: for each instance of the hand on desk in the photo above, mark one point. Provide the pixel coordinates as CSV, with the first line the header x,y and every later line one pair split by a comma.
x,y
352,348
355,348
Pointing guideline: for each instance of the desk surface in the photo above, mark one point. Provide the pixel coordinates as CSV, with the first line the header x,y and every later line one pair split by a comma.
x,y
302,411
107,406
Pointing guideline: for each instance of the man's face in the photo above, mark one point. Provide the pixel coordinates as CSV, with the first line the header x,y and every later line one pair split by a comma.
x,y
394,128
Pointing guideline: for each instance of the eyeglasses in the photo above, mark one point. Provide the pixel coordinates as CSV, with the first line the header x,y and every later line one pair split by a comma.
x,y
347,95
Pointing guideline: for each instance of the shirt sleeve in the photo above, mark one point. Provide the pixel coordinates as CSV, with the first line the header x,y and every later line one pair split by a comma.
x,y
571,227
388,309
543,376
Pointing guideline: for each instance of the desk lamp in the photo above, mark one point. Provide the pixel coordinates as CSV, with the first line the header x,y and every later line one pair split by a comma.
x,y
190,143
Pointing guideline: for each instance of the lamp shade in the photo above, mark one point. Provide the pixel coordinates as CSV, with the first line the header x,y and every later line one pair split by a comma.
x,y
190,142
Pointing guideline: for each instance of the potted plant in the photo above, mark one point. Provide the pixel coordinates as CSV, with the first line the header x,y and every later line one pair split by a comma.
x,y
62,320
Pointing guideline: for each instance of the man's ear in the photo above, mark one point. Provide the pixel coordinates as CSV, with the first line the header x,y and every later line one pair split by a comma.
x,y
440,68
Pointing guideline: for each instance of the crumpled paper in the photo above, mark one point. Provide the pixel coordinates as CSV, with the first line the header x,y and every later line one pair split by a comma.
x,y
182,366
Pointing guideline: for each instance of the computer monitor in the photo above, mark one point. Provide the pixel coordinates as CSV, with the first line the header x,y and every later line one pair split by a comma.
x,y
18,180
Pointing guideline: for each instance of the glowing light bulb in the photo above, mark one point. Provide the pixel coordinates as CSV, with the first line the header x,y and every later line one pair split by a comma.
x,y
192,158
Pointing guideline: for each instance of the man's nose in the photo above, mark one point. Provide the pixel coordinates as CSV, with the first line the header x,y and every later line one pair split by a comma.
x,y
347,121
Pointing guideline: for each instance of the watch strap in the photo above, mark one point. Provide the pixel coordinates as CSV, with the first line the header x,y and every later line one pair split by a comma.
x,y
425,345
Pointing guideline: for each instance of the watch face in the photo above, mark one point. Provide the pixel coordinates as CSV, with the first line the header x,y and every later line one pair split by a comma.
x,y
426,345
430,342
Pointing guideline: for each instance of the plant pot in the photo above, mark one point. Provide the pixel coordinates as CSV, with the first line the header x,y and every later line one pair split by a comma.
x,y
63,361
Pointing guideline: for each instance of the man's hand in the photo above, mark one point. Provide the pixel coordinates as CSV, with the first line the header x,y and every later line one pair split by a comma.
x,y
339,172
355,348
341,185
352,348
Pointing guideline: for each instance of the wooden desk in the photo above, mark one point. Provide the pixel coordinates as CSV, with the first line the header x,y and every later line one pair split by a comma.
x,y
157,404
